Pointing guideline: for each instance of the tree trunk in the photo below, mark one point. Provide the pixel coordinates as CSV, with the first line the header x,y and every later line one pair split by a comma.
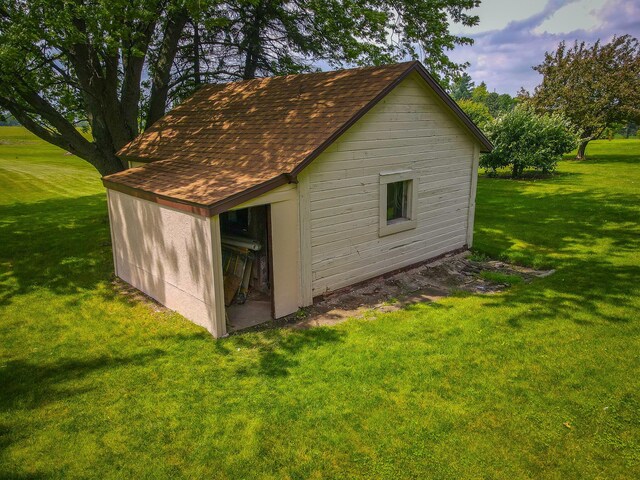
x,y
162,71
105,164
196,54
581,148
516,172
253,43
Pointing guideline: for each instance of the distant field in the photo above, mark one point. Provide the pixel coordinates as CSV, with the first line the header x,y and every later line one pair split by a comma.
x,y
541,381
32,170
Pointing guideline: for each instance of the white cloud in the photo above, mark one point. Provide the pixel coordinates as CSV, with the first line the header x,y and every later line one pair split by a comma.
x,y
496,14
582,14
503,57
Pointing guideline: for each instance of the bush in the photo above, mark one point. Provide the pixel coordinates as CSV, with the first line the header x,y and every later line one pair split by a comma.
x,y
478,112
522,139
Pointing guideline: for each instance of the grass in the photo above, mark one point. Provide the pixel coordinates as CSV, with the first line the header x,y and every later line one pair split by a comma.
x,y
499,277
541,381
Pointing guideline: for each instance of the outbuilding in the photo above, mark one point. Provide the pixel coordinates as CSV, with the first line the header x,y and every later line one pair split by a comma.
x,y
252,198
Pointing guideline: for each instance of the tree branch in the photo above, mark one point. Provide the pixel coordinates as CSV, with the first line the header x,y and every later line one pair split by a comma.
x,y
162,68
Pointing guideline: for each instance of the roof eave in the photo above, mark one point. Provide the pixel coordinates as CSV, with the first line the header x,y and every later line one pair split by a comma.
x,y
196,208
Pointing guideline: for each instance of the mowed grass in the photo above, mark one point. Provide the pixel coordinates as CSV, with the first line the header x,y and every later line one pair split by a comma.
x,y
541,381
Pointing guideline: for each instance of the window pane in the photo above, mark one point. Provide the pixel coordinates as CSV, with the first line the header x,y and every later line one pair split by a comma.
x,y
397,194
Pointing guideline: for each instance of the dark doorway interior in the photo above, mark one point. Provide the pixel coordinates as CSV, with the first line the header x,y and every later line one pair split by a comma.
x,y
246,266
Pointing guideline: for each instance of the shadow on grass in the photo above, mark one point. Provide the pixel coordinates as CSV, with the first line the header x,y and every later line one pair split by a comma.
x,y
602,295
529,175
278,348
27,385
558,223
62,245
588,236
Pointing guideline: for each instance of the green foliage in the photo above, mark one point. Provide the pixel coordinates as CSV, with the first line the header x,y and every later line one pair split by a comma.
x,y
477,102
478,256
523,139
478,112
499,104
628,129
480,93
499,277
115,65
95,383
461,87
594,86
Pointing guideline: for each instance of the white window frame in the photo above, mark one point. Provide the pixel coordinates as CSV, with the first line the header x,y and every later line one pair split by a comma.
x,y
402,224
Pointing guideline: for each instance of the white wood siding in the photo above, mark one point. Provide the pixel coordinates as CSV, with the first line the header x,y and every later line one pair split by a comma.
x,y
409,129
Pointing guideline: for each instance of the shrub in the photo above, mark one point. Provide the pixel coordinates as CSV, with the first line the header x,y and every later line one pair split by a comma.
x,y
478,112
522,139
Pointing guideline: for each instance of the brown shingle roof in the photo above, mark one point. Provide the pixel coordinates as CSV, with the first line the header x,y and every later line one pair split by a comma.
x,y
229,142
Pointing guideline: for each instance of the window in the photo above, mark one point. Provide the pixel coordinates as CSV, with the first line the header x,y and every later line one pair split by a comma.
x,y
397,198
398,202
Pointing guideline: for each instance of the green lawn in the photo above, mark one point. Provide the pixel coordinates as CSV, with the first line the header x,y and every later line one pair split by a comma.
x,y
542,381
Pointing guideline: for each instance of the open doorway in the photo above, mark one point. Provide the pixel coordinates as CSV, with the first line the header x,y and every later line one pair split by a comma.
x,y
247,266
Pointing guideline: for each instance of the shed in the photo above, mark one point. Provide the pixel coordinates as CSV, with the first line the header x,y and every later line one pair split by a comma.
x,y
252,198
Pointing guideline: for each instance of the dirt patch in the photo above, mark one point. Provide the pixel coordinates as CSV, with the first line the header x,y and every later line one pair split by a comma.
x,y
425,283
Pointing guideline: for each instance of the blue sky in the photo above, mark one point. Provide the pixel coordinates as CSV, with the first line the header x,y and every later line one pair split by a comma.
x,y
513,35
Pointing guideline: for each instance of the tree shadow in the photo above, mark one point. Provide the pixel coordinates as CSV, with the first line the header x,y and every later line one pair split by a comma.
x,y
277,349
60,244
530,175
560,222
30,386
556,298
588,236
27,385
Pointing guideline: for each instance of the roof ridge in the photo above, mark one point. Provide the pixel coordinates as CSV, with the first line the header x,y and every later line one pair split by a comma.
x,y
321,72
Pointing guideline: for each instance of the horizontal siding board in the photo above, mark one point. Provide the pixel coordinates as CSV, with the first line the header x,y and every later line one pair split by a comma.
x,y
369,145
338,222
362,246
409,129
331,232
405,131
365,272
362,158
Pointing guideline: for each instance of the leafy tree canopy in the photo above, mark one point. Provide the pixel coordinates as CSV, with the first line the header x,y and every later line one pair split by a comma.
x,y
523,139
478,112
480,93
115,65
478,103
594,86
461,87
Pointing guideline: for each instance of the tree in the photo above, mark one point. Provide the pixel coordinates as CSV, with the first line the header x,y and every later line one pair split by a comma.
x,y
523,139
461,87
7,120
116,65
593,86
629,129
478,112
499,103
480,93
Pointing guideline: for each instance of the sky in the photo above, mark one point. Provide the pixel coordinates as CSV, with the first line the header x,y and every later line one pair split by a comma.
x,y
513,35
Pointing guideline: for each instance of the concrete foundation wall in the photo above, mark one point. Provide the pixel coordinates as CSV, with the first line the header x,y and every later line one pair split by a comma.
x,y
167,254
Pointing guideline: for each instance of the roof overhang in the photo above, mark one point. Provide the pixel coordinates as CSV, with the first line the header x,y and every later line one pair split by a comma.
x,y
197,208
